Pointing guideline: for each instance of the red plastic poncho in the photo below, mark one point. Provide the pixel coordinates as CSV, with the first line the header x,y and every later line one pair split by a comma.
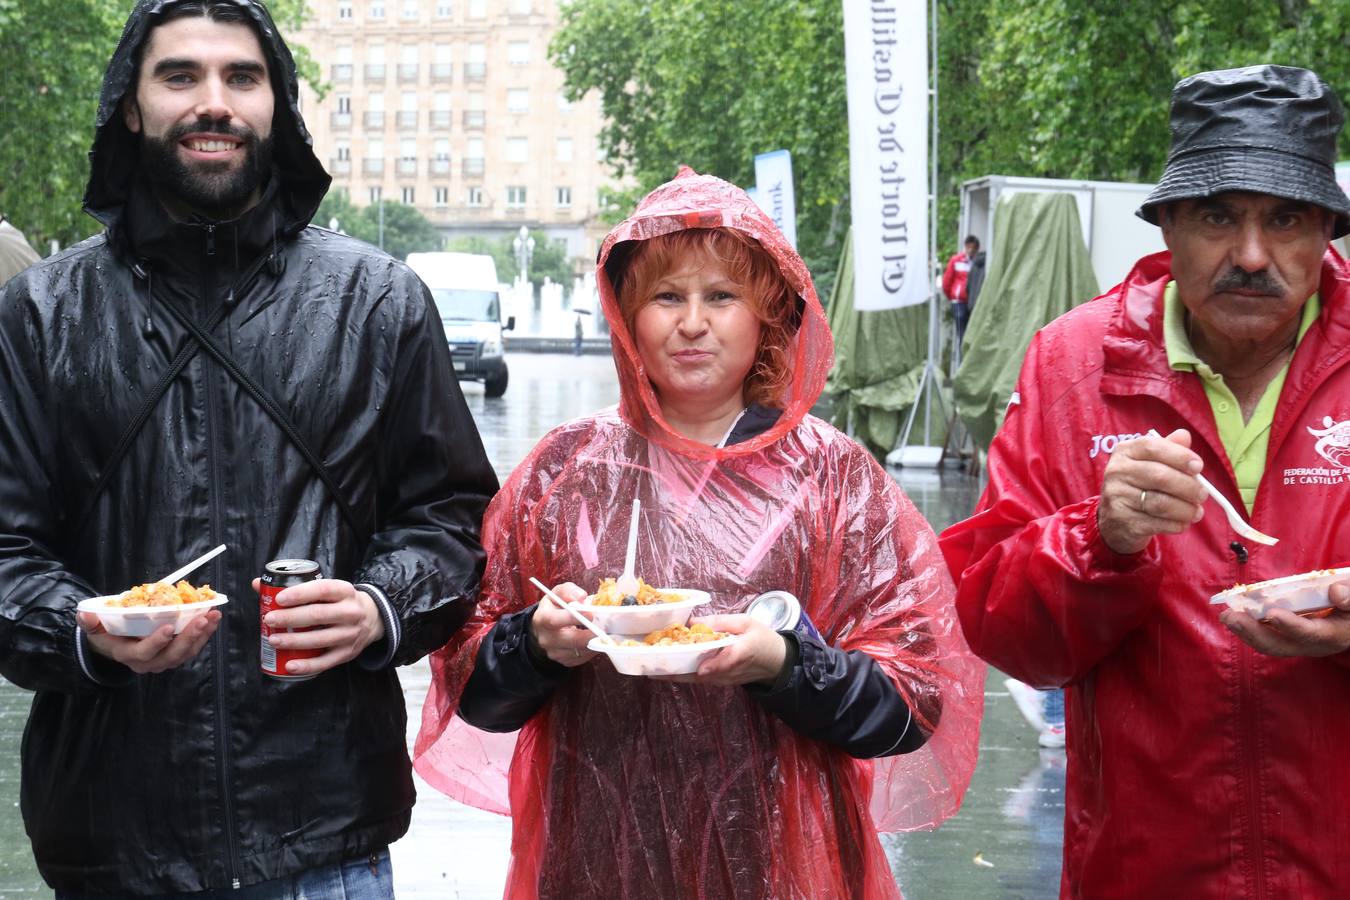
x,y
628,787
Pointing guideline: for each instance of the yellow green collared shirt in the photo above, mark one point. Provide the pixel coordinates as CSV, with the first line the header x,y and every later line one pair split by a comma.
x,y
1244,442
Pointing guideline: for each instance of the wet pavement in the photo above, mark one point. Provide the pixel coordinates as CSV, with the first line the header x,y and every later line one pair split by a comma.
x,y
1004,843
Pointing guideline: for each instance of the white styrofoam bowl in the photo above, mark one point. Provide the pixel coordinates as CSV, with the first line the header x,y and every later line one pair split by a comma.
x,y
674,659
140,621
643,620
1304,594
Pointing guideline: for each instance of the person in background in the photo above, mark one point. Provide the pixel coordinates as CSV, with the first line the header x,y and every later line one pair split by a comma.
x,y
1198,736
768,772
955,284
212,370
15,253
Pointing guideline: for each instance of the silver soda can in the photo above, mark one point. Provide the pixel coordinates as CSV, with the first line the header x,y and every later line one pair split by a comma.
x,y
782,611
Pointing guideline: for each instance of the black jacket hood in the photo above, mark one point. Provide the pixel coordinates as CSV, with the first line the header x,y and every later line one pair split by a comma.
x,y
115,156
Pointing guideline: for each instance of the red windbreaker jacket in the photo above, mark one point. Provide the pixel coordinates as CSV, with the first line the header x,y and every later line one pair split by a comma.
x,y
1198,768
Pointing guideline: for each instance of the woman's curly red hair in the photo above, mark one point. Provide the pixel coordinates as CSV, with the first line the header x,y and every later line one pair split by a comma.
x,y
750,266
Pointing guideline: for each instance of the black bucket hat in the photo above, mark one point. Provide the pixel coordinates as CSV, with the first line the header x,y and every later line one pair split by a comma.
x,y
1266,129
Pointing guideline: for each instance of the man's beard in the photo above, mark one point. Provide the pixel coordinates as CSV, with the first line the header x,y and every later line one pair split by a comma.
x,y
218,191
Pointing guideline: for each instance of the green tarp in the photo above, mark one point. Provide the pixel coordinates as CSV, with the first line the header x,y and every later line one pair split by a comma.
x,y
1040,268
878,360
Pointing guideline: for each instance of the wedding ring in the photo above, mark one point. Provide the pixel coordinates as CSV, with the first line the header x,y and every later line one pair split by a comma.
x,y
1143,498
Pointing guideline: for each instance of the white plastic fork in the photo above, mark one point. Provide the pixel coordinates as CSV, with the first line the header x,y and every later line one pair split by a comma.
x,y
1235,520
193,566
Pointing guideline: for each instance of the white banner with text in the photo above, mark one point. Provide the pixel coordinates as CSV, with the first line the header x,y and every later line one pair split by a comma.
x,y
886,50
774,193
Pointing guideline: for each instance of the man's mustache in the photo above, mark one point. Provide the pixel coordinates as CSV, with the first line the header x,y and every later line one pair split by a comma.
x,y
212,126
1261,282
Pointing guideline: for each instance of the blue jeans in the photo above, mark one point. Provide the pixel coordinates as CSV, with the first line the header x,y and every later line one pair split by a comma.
x,y
368,878
1054,707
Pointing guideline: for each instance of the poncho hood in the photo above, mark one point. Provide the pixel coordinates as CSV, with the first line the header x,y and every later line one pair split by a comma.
x,y
691,200
115,157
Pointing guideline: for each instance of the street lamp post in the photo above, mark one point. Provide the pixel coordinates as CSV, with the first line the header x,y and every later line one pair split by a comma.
x,y
524,247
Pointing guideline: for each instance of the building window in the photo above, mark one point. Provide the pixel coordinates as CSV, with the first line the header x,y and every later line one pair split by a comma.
x,y
409,195
517,150
407,63
377,9
375,195
522,7
518,53
345,9
475,68
344,102
515,197
444,9
410,10
442,196
564,105
562,198
440,157
473,197
518,100
564,150
344,150
477,9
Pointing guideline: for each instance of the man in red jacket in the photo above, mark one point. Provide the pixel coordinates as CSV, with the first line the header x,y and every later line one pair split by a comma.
x,y
955,284
1201,743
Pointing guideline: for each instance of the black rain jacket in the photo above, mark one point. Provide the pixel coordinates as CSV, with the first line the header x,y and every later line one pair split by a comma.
x,y
128,446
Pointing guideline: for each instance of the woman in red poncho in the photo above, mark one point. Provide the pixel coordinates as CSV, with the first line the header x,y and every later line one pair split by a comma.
x,y
769,773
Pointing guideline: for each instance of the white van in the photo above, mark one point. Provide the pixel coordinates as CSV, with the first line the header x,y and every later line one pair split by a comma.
x,y
464,287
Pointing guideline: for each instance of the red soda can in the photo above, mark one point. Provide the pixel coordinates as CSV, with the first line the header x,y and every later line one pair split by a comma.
x,y
278,575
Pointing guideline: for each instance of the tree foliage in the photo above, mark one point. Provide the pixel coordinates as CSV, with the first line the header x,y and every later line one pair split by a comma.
x,y
1042,88
405,229
549,260
54,54
711,84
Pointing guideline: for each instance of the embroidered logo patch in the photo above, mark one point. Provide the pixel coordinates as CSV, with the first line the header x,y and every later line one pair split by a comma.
x,y
1333,445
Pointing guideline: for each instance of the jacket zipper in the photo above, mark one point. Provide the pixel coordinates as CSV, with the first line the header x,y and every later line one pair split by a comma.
x,y
1250,745
213,495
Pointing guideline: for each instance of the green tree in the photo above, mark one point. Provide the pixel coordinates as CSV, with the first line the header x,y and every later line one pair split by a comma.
x,y
711,84
405,229
1045,88
549,261
1075,89
55,52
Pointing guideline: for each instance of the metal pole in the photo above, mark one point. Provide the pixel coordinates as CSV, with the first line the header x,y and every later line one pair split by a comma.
x,y
933,319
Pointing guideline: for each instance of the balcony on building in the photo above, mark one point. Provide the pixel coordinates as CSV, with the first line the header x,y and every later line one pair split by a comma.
x,y
440,118
407,120
475,71
373,120
339,166
442,72
474,168
474,119
439,166
342,120
407,165
407,72
374,165
375,71
342,72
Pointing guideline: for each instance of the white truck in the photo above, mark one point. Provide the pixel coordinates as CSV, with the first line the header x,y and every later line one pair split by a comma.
x,y
1116,238
465,289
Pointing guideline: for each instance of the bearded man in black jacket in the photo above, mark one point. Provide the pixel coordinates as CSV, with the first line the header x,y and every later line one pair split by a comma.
x,y
212,370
